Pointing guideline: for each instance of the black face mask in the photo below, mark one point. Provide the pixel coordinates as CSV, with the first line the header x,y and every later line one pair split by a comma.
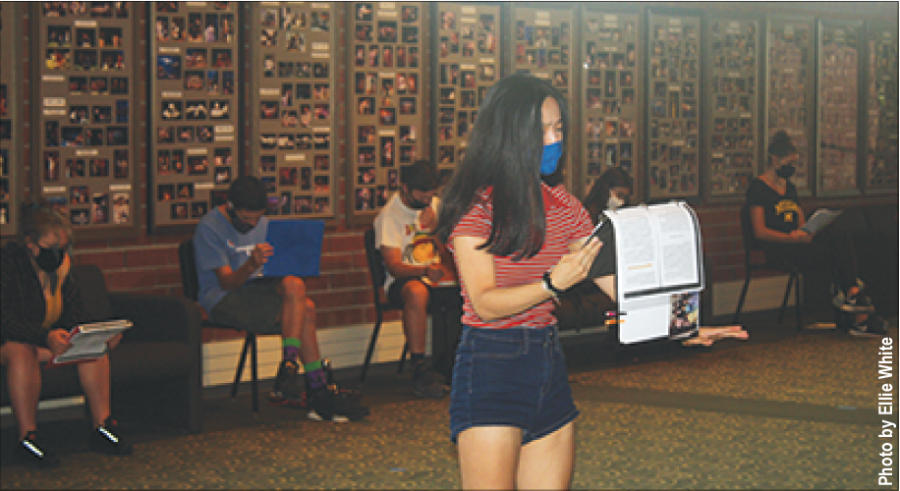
x,y
416,204
785,171
239,225
50,259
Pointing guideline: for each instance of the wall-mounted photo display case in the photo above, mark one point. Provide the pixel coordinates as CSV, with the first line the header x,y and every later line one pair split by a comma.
x,y
10,129
541,43
468,62
732,139
838,108
673,108
790,91
84,117
292,106
194,108
611,86
385,101
881,152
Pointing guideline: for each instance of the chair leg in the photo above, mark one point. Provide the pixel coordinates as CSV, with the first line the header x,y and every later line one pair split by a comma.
x,y
403,357
799,305
254,372
740,305
371,348
240,368
787,295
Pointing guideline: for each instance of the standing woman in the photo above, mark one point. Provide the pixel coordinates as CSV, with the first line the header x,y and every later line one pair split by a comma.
x,y
517,242
39,303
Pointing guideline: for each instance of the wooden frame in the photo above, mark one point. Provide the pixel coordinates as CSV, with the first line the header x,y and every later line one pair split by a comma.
x,y
386,44
732,115
612,95
11,165
85,138
194,109
790,92
881,148
467,52
293,104
673,109
837,138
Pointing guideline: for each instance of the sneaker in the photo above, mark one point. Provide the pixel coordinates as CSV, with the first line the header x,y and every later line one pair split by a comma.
x,y
31,453
354,394
874,326
429,385
325,404
860,303
104,439
287,390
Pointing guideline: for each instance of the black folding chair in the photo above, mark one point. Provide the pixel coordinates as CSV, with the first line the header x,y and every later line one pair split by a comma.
x,y
191,286
378,275
795,276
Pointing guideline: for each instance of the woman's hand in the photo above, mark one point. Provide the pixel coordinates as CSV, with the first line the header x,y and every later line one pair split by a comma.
x,y
574,267
58,341
801,236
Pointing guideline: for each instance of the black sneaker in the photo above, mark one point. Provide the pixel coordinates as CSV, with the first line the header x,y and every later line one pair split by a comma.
x,y
429,385
860,303
354,394
874,327
327,404
105,439
31,453
287,390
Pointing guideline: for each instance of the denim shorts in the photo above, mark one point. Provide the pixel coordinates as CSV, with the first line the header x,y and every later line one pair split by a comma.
x,y
511,377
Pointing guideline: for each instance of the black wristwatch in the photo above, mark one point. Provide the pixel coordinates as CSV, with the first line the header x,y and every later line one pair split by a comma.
x,y
548,285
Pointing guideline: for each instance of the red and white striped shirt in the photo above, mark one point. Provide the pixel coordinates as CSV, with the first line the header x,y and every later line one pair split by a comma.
x,y
567,221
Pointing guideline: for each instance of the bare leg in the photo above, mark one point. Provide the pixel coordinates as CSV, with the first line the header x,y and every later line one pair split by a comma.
x,y
94,378
489,457
23,381
415,315
309,347
548,463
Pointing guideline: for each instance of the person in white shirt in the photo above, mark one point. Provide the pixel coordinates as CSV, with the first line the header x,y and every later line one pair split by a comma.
x,y
412,258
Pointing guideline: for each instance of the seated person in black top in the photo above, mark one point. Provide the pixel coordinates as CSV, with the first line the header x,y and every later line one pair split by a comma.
x,y
39,305
777,218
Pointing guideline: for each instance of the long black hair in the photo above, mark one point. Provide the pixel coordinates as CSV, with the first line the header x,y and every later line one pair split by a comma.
x,y
596,200
504,153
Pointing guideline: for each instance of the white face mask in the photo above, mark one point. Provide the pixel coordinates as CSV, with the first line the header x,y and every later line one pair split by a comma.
x,y
614,202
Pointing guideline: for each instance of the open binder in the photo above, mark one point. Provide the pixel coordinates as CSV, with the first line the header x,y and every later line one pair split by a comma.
x,y
659,271
89,341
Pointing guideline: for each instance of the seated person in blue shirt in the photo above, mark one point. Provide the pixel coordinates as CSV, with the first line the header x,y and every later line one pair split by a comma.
x,y
230,248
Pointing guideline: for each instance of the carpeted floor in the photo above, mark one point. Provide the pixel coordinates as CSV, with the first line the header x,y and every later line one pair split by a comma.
x,y
782,411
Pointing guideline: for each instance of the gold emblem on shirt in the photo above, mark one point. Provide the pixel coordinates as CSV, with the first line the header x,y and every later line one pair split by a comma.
x,y
787,209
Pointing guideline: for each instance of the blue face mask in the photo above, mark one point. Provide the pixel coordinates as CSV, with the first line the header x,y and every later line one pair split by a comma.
x,y
550,159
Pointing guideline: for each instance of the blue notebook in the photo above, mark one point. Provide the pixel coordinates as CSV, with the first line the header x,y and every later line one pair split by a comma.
x,y
297,247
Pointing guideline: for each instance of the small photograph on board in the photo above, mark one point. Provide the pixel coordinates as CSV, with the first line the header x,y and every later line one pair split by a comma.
x,y
684,316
